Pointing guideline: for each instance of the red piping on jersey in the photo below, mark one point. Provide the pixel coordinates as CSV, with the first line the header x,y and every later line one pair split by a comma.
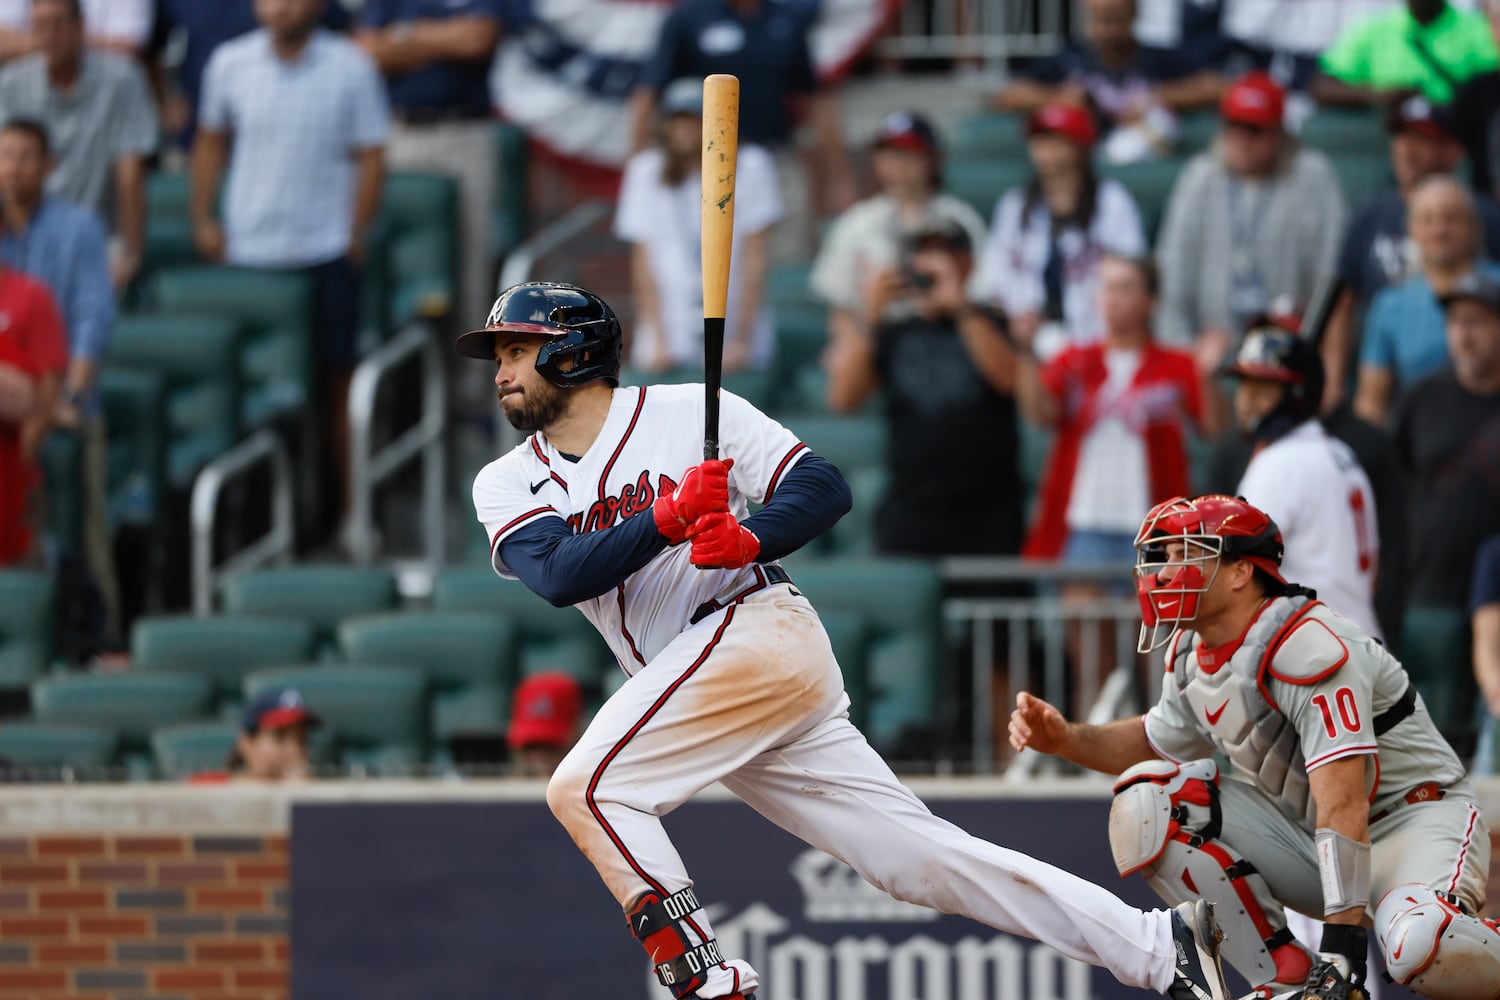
x,y
604,476
1275,644
536,447
1313,680
761,583
797,449
1211,658
614,752
529,514
1464,853
620,590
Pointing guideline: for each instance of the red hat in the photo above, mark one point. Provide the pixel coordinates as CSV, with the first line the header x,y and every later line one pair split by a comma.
x,y
1254,99
1067,120
545,709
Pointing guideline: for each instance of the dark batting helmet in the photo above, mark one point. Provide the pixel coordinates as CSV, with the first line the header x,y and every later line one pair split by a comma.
x,y
580,324
1274,353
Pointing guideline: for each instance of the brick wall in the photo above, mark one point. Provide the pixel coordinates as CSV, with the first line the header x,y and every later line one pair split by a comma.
x,y
180,916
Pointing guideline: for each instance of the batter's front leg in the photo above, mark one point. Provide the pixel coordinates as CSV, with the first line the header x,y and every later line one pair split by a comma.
x,y
863,815
704,706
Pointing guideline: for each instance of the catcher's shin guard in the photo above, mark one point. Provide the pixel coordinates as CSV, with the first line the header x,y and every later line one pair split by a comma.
x,y
681,954
1164,823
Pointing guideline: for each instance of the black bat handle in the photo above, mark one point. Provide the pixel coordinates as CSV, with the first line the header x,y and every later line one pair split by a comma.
x,y
713,377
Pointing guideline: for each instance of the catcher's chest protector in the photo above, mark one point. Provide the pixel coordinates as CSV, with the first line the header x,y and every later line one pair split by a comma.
x,y
1260,742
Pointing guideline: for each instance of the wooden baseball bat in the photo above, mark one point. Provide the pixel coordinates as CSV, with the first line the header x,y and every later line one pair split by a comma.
x,y
721,143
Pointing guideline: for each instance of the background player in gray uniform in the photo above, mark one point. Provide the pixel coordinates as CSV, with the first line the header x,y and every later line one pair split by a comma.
x,y
609,507
1341,800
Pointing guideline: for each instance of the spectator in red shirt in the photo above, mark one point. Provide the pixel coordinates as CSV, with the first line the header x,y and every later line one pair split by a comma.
x,y
33,357
1119,407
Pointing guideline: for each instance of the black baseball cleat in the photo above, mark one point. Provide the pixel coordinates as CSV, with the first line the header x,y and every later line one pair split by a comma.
x,y
1195,938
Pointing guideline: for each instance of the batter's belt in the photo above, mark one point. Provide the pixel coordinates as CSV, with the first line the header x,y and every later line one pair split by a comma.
x,y
768,576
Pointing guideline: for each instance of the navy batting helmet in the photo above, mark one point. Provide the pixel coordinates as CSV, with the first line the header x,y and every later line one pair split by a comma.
x,y
580,324
1274,353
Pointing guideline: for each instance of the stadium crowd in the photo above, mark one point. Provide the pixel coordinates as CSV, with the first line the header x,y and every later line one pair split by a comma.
x,y
1142,270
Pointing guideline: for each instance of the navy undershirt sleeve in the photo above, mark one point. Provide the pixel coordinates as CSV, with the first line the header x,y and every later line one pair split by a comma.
x,y
565,568
810,498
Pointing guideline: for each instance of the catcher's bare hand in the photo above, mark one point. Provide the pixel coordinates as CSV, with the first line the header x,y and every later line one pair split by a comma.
x,y
1037,725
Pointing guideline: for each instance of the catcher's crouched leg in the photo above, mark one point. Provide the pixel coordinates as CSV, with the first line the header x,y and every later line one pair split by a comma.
x,y
1165,824
1437,949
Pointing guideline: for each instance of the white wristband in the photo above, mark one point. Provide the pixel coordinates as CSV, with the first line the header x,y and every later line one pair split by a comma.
x,y
1344,865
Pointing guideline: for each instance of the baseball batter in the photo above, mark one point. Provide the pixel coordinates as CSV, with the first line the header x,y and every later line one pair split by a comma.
x,y
608,506
1343,801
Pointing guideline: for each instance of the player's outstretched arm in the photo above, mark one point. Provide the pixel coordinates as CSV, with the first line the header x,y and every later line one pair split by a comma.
x,y
1110,748
564,569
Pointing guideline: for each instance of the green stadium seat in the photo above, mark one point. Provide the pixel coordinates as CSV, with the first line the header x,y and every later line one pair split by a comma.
x,y
320,595
1436,652
511,214
1362,176
377,715
223,648
28,744
189,748
61,460
135,412
274,310
854,534
25,627
1150,183
851,442
1196,131
418,224
1345,132
551,638
168,194
899,601
130,703
169,243
981,182
801,337
198,355
988,134
849,638
469,659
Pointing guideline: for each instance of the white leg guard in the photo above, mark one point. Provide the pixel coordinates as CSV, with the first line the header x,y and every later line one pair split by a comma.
x,y
1436,948
1165,823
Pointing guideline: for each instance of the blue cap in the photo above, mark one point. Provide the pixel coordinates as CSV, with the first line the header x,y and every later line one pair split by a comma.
x,y
277,708
683,97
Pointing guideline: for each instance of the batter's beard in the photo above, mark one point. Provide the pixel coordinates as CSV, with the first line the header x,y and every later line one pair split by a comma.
x,y
540,406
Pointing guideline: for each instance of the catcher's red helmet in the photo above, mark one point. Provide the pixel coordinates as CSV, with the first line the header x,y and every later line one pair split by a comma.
x,y
1209,526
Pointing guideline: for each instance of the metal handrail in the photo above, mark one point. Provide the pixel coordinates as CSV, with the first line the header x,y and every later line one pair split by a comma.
x,y
1050,615
261,448
368,468
521,261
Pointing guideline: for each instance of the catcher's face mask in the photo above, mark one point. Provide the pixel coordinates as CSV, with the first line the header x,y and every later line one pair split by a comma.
x,y
1173,572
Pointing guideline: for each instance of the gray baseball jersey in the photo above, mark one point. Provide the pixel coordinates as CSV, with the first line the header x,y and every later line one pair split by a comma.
x,y
1301,688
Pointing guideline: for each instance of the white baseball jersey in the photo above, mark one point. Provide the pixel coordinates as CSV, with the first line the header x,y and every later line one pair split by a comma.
x,y
650,438
1315,490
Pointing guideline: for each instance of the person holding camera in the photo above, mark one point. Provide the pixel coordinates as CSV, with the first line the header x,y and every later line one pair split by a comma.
x,y
948,373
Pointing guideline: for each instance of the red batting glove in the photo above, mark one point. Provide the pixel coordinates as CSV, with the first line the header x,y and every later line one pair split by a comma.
x,y
721,542
703,490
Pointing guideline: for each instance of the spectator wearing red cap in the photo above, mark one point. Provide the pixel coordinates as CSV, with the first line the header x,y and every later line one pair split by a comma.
x,y
545,718
861,257
1252,221
1041,265
1133,90
272,744
1377,250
